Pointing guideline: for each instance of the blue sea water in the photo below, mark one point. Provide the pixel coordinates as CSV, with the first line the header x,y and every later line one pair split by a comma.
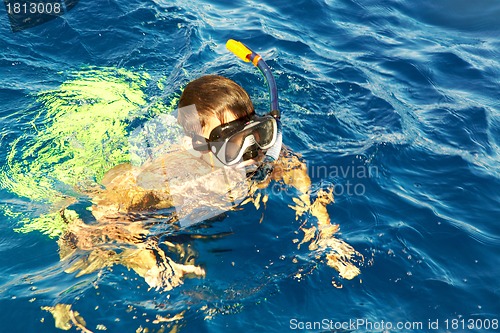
x,y
407,90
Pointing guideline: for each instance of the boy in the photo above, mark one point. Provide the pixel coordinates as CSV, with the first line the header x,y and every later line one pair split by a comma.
x,y
200,180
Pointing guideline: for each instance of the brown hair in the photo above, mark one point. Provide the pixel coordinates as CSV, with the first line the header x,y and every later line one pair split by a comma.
x,y
213,96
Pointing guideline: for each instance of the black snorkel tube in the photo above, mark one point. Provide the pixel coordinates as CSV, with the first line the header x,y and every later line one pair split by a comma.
x,y
247,55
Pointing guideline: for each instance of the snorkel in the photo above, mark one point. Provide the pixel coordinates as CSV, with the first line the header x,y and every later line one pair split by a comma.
x,y
247,55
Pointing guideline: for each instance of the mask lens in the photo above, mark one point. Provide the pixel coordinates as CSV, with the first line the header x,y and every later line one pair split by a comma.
x,y
261,134
264,134
235,144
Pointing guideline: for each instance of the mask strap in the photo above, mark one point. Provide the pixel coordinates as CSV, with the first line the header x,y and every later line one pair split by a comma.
x,y
212,164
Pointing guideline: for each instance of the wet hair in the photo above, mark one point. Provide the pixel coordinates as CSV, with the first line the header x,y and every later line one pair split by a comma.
x,y
213,96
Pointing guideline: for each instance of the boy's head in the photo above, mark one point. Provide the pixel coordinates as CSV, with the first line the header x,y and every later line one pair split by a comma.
x,y
223,122
218,100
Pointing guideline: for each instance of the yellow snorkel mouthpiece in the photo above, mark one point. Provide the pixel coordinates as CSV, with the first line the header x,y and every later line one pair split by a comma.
x,y
239,49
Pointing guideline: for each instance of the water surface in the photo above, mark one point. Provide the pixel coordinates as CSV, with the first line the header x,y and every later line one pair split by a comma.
x,y
406,90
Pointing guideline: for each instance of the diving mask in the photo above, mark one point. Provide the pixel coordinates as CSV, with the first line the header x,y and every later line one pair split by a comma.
x,y
240,139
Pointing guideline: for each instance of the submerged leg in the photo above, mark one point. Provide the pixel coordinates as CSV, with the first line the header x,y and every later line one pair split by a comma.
x,y
94,247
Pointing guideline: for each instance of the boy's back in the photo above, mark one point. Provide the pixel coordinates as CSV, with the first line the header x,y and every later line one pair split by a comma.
x,y
196,190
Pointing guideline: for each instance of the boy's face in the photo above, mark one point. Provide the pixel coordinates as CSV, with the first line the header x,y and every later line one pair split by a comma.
x,y
212,123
